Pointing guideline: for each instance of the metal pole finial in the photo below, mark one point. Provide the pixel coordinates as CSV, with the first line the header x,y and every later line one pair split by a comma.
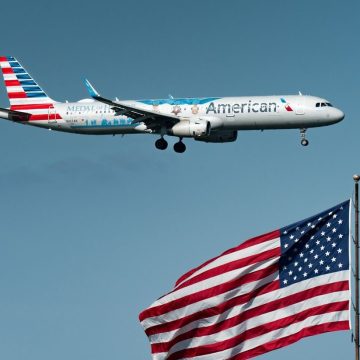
x,y
356,177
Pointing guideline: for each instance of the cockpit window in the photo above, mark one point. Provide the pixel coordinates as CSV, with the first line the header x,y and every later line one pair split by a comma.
x,y
323,104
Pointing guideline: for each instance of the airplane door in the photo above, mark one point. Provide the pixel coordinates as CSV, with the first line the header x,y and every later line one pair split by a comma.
x,y
52,116
299,110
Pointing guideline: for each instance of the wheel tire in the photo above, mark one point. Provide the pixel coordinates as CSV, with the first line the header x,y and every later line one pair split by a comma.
x,y
161,144
304,142
179,147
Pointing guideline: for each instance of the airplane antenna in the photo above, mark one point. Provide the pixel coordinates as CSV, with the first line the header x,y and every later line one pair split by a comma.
x,y
300,93
171,97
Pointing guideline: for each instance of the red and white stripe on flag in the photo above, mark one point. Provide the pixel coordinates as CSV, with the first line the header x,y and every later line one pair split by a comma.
x,y
235,306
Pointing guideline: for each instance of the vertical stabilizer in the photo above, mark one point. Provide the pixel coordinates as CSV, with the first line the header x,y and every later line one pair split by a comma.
x,y
23,91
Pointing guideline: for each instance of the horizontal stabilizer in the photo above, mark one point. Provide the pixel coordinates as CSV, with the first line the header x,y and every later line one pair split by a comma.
x,y
14,115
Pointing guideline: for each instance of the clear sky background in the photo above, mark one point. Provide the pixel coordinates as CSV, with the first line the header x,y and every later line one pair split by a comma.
x,y
94,229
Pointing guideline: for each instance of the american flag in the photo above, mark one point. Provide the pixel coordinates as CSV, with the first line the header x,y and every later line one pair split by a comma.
x,y
266,293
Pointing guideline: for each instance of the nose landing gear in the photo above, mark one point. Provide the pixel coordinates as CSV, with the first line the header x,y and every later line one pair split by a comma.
x,y
304,141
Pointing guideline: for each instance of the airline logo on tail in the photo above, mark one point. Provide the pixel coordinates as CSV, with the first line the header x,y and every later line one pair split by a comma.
x,y
24,93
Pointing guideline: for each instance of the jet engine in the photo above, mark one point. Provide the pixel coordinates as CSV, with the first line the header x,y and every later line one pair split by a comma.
x,y
195,128
219,136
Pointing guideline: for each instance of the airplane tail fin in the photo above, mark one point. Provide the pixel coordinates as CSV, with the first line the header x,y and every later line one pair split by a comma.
x,y
23,91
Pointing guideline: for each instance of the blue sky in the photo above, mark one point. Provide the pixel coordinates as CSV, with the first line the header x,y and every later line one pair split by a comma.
x,y
94,229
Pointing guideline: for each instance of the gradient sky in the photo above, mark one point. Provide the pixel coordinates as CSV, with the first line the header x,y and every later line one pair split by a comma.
x,y
94,229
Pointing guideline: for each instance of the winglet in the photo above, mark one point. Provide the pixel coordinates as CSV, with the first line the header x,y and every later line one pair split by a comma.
x,y
93,93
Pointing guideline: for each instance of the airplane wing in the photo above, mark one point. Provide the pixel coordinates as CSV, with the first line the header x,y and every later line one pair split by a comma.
x,y
152,119
14,115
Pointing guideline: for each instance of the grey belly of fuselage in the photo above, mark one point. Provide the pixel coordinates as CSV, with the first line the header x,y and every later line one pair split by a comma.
x,y
240,122
86,130
102,130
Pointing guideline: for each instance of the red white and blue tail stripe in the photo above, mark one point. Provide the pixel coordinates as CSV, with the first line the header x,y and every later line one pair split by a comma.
x,y
23,91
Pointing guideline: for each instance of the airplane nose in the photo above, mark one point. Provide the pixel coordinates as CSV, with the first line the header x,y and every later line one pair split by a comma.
x,y
337,115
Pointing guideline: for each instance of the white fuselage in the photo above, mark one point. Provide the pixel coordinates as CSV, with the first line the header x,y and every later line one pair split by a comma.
x,y
228,113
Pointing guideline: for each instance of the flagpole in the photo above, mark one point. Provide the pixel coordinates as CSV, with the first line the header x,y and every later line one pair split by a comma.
x,y
356,204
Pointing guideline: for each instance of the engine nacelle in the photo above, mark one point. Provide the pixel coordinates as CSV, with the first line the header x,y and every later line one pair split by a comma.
x,y
195,128
219,136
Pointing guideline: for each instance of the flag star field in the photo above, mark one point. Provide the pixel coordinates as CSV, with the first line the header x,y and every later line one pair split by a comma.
x,y
315,246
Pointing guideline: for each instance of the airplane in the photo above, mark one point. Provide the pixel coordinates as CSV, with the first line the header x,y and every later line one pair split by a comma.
x,y
209,119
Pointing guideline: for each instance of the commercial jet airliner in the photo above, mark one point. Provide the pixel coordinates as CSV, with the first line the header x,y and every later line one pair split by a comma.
x,y
211,119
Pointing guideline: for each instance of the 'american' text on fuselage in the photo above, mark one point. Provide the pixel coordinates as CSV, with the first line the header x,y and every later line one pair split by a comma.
x,y
242,108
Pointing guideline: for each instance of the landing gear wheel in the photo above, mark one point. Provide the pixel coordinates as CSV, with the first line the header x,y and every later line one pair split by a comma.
x,y
304,142
179,147
161,144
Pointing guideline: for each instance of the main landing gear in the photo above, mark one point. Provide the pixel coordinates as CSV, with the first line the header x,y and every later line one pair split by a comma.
x,y
304,141
162,144
179,147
